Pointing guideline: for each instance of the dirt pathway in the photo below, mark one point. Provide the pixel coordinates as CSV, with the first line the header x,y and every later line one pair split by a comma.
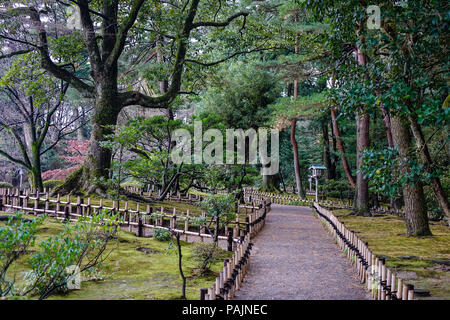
x,y
294,257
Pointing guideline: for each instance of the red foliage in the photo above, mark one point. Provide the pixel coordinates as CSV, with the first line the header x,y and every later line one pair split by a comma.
x,y
75,153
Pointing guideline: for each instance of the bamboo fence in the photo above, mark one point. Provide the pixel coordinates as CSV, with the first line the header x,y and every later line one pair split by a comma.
x,y
139,221
380,280
234,269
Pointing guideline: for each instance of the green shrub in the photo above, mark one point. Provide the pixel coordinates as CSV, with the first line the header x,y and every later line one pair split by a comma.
x,y
161,235
132,183
205,254
51,184
5,184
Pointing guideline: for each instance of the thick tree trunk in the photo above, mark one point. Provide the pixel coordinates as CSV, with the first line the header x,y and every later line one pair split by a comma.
x,y
98,162
416,219
36,170
298,177
271,183
425,156
105,115
362,186
341,148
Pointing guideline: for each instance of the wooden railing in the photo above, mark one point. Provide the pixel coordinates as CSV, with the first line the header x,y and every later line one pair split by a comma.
x,y
136,220
250,195
381,281
177,197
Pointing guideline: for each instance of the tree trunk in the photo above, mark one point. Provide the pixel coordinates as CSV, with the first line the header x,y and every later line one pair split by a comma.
x,y
298,177
271,183
335,154
387,123
394,203
341,148
416,219
425,156
105,116
331,167
362,186
79,122
36,170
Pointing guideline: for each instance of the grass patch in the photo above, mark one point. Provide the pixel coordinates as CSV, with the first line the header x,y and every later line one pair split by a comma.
x,y
386,236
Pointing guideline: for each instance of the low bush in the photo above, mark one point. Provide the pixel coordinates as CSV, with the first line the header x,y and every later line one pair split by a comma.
x,y
51,184
132,183
5,184
206,254
161,235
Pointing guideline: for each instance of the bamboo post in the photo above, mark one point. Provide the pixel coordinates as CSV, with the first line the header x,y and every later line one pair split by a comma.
x,y
203,293
186,225
100,206
140,226
88,207
230,240
399,289
67,213
247,225
393,283
78,210
36,202
221,282
410,288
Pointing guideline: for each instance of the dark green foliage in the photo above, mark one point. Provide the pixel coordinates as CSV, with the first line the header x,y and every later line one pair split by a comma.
x,y
51,184
206,254
161,235
5,184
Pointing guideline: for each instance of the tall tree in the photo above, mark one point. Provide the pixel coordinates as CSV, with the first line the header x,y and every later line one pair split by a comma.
x,y
106,31
30,102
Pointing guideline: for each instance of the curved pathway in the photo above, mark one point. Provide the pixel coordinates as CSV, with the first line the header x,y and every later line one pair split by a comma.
x,y
294,257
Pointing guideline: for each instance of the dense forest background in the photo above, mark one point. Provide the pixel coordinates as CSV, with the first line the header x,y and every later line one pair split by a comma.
x,y
91,92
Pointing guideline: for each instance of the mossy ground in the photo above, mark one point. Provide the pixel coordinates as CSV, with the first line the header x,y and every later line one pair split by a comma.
x,y
132,274
386,236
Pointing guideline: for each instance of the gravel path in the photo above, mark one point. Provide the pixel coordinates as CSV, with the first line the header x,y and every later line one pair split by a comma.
x,y
295,258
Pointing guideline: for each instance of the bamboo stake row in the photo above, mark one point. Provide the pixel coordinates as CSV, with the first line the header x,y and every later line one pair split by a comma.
x,y
250,195
381,281
232,274
234,269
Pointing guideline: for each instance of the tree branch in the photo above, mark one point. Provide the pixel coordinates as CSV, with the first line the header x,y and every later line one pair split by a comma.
x,y
220,24
123,32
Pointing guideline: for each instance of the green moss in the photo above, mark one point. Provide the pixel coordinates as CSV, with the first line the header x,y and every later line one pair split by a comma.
x,y
51,184
386,236
72,182
133,274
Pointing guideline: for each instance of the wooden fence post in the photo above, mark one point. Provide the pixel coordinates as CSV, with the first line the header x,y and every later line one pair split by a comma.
x,y
230,240
247,226
410,288
203,293
140,227
67,213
